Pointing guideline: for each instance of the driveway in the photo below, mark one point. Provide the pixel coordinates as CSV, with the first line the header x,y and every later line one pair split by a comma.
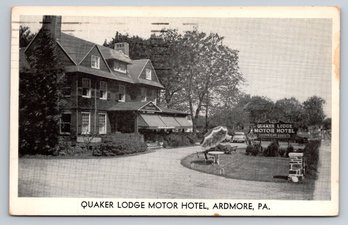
x,y
156,174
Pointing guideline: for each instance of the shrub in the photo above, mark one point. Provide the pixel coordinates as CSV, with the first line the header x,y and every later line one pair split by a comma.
x,y
68,148
272,150
119,144
252,150
311,153
179,139
289,149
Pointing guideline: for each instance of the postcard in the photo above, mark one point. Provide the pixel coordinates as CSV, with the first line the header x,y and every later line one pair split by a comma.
x,y
175,111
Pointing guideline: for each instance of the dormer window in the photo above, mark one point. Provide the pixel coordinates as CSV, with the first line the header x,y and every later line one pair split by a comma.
x,y
120,67
148,74
95,62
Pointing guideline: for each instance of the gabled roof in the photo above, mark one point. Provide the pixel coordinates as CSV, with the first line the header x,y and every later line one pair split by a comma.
x,y
75,47
78,48
136,68
110,53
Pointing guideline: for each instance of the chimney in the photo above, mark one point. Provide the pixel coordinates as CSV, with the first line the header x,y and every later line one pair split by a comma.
x,y
53,24
122,46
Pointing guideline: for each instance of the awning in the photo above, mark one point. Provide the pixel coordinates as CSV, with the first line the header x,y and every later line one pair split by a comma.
x,y
170,122
184,123
154,121
151,122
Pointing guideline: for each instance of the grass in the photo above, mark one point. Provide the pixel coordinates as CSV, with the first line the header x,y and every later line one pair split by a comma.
x,y
240,166
253,168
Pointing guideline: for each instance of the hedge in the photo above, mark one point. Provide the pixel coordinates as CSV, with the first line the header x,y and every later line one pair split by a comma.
x,y
119,144
311,153
179,139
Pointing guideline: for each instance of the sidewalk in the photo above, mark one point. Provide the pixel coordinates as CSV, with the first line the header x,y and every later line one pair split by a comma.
x,y
322,189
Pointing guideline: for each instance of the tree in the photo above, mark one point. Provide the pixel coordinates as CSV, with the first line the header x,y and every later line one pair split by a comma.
x,y
327,124
313,111
211,71
288,110
25,36
260,109
39,96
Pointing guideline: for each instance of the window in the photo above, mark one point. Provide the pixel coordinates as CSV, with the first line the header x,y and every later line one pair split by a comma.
x,y
143,94
86,88
120,67
102,123
95,62
122,93
148,74
154,92
103,90
65,123
86,123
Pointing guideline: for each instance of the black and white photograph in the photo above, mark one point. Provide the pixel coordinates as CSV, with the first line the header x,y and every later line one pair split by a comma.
x,y
174,111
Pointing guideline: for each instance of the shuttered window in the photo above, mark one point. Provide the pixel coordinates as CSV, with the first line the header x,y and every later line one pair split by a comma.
x,y
86,88
86,123
103,90
102,123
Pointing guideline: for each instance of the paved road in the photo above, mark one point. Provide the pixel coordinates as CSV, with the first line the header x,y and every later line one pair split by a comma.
x,y
157,174
322,189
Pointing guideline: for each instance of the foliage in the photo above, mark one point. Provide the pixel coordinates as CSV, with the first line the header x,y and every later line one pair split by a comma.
x,y
112,146
252,150
25,36
195,68
259,108
313,110
311,153
288,110
272,150
289,149
39,98
179,139
327,124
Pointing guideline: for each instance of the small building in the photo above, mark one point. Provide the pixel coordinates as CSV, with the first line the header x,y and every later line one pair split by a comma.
x,y
106,91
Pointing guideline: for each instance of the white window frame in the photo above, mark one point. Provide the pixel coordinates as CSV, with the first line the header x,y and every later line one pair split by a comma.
x,y
95,62
89,92
118,68
105,90
89,123
104,131
60,123
124,93
148,74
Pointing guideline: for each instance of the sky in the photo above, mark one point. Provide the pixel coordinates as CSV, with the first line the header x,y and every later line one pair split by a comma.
x,y
278,57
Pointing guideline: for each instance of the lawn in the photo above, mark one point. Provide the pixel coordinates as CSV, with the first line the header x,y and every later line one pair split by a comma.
x,y
240,166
